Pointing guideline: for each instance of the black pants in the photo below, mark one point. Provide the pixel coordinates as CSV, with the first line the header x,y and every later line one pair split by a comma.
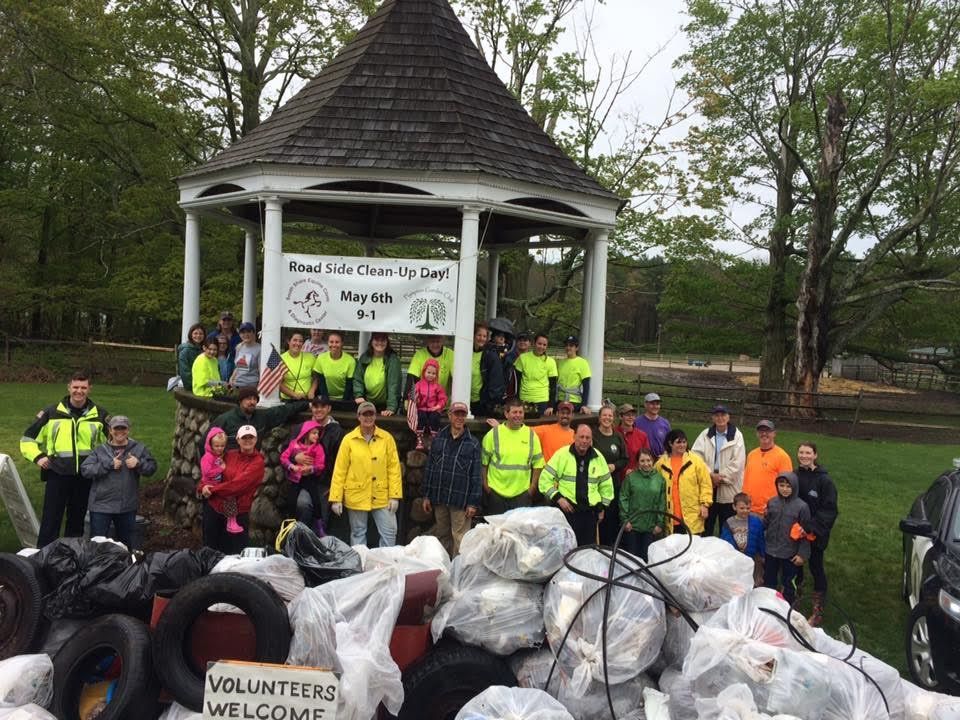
x,y
584,524
610,525
316,504
428,420
817,570
781,570
62,493
717,518
495,504
637,543
215,533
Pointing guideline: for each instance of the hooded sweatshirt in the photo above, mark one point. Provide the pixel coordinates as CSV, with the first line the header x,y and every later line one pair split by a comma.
x,y
782,513
430,395
818,491
211,466
643,500
300,445
116,491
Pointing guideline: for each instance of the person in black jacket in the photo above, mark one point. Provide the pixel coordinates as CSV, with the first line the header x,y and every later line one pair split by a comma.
x,y
818,491
309,501
487,383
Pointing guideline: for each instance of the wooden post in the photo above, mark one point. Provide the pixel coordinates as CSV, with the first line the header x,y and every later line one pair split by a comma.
x,y
639,390
856,412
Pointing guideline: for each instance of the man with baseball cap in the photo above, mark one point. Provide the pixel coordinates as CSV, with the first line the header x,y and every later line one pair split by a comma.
x,y
248,413
722,448
763,465
225,326
653,424
556,435
309,502
451,481
246,371
573,377
366,479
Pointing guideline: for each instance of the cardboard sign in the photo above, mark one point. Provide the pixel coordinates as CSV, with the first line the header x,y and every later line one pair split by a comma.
x,y
236,690
18,503
373,294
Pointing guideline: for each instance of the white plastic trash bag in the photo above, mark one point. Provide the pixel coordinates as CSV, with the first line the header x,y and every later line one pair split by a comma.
x,y
278,571
734,703
532,668
424,553
704,576
852,696
26,712
636,623
679,691
503,703
920,704
761,615
314,623
26,679
501,616
679,634
523,544
655,704
178,712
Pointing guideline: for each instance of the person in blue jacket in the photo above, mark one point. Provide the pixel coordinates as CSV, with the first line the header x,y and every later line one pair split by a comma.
x,y
745,532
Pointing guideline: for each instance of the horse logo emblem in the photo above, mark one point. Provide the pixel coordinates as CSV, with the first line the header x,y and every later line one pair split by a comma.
x,y
311,301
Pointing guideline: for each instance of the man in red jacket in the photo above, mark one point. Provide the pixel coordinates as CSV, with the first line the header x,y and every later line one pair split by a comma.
x,y
242,474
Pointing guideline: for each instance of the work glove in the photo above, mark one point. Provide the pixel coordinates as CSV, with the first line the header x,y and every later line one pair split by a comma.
x,y
336,508
393,505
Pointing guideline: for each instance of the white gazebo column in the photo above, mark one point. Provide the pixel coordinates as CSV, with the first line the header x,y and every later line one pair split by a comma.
x,y
272,297
597,319
466,305
587,303
249,313
363,337
191,274
493,282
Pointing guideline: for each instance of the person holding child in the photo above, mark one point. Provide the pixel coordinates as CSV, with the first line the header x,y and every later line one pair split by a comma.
x,y
304,461
211,471
643,504
787,545
745,532
114,469
690,491
430,398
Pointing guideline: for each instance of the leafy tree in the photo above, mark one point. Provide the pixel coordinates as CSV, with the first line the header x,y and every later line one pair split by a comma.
x,y
841,120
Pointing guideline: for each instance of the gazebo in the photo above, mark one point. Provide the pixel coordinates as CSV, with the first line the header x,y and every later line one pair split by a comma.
x,y
407,132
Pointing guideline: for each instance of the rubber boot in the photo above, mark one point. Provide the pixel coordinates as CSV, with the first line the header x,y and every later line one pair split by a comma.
x,y
816,617
319,528
419,440
233,526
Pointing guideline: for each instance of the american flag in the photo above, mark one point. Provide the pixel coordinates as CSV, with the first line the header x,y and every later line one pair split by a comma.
x,y
412,417
272,374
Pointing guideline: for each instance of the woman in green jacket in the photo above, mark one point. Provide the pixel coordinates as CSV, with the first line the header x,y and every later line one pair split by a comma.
x,y
377,378
188,351
643,502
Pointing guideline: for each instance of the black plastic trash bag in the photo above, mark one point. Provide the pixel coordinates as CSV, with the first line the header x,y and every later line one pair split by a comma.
x,y
319,559
131,592
71,566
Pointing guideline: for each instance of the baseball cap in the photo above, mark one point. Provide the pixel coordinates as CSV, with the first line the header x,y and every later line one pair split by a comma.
x,y
523,335
459,407
766,425
320,400
565,404
366,407
119,421
245,392
246,431
226,315
572,340
247,326
720,409
651,397
626,408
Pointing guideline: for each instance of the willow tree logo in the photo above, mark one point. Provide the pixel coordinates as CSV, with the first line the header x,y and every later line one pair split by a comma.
x,y
421,309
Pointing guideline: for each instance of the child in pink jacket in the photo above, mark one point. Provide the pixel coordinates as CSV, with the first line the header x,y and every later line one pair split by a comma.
x,y
211,471
431,399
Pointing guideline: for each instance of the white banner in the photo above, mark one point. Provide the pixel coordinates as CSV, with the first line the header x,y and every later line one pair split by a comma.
x,y
236,690
372,294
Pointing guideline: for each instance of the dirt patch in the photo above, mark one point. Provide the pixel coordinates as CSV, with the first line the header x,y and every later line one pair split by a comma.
x,y
842,386
162,533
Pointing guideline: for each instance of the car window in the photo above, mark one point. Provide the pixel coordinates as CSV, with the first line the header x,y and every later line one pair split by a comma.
x,y
933,502
955,530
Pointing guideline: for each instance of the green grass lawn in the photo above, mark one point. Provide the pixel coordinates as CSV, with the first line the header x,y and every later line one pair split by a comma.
x,y
877,483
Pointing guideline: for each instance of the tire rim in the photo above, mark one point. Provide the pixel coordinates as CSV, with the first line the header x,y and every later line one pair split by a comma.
x,y
10,612
921,656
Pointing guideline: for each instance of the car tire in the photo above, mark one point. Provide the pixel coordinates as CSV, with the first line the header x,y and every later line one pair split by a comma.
x,y
22,590
438,685
255,598
919,651
137,690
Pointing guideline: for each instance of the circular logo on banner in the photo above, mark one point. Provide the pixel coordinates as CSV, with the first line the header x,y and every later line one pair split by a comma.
x,y
306,302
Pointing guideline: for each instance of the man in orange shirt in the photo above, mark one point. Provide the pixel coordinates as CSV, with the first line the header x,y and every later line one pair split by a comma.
x,y
556,435
763,465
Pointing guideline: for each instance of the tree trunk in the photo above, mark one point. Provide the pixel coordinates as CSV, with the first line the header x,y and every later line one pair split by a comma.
x,y
515,270
814,301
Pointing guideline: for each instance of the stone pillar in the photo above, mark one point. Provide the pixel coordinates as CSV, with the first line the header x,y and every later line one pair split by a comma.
x,y
249,313
272,298
191,274
466,305
597,320
493,282
585,329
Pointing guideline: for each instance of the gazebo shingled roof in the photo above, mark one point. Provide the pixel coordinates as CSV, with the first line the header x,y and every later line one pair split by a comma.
x,y
409,92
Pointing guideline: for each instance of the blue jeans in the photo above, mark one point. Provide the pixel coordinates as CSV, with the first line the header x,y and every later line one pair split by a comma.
x,y
386,525
124,525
